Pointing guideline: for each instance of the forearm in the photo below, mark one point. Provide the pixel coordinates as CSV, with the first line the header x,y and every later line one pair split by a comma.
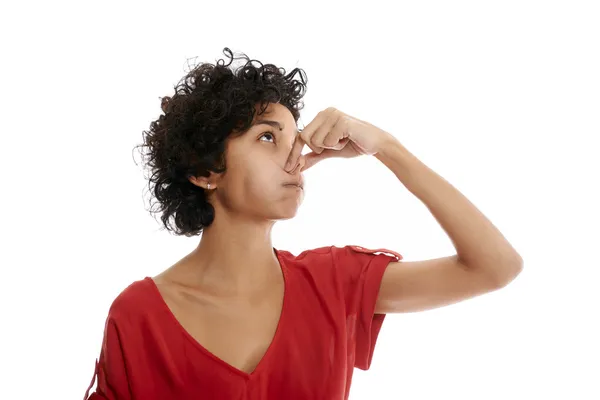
x,y
478,243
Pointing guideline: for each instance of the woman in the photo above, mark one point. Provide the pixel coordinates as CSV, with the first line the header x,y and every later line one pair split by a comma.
x,y
238,319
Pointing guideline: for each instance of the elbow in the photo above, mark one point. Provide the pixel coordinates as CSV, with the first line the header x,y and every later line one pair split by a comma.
x,y
508,272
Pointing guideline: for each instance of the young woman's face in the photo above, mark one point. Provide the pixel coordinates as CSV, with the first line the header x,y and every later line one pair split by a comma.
x,y
255,182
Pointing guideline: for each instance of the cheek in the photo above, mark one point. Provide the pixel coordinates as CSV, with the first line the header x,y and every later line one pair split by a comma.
x,y
255,178
260,182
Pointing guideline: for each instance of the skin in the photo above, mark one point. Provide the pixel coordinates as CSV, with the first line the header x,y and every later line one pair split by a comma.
x,y
232,282
228,292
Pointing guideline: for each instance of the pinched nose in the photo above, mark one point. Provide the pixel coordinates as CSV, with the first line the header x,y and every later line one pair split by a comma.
x,y
301,163
297,169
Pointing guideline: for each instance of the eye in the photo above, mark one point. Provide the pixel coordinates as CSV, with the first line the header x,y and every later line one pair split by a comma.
x,y
267,134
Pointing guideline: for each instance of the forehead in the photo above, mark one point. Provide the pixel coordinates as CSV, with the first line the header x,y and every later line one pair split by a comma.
x,y
275,112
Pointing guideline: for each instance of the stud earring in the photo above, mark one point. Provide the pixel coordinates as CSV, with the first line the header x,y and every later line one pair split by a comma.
x,y
208,186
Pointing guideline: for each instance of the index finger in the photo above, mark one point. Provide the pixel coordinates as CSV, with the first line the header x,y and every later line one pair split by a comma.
x,y
303,138
295,153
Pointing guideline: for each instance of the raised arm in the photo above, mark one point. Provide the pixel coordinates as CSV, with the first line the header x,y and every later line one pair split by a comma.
x,y
484,262
484,259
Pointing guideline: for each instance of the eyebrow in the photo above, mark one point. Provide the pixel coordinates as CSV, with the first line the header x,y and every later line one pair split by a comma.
x,y
274,124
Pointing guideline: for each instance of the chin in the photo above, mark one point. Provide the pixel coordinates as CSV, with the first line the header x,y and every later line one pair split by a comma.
x,y
281,208
283,213
287,215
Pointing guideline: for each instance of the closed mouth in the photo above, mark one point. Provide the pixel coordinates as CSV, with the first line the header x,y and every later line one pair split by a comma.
x,y
294,185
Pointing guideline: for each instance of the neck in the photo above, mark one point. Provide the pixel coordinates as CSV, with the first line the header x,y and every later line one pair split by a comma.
x,y
235,255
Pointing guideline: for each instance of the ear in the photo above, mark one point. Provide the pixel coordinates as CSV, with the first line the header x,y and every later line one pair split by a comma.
x,y
204,182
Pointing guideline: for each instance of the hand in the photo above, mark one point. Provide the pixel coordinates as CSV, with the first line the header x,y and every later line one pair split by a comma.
x,y
335,134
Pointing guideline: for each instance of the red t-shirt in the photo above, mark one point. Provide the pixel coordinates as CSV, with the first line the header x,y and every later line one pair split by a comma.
x,y
326,329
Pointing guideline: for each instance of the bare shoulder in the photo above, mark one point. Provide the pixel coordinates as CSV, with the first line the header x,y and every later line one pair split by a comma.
x,y
171,276
169,284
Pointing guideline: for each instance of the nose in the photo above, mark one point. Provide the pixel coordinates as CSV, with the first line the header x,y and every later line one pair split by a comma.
x,y
301,162
299,165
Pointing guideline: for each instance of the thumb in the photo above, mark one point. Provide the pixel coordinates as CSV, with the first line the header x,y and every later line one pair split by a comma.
x,y
310,159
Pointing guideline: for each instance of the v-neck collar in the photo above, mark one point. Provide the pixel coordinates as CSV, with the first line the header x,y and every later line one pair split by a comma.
x,y
262,364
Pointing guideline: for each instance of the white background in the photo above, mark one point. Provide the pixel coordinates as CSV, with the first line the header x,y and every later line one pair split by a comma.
x,y
500,98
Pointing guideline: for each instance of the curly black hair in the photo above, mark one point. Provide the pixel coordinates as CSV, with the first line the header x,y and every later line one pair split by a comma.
x,y
211,103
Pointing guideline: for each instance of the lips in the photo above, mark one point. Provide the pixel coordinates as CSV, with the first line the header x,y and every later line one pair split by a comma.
x,y
295,184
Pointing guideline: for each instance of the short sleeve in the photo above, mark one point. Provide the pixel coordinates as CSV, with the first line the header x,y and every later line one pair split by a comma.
x,y
360,272
110,370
